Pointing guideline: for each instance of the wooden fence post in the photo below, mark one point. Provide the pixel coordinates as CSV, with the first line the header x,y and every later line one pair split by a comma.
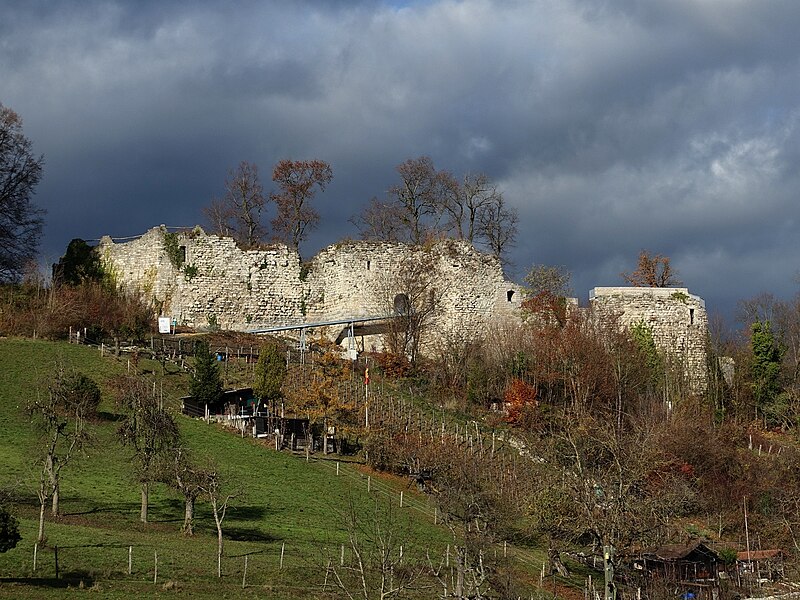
x,y
55,552
244,575
155,570
130,559
35,550
283,547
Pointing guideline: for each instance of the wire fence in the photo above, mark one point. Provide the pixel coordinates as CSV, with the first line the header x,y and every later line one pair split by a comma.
x,y
277,566
382,408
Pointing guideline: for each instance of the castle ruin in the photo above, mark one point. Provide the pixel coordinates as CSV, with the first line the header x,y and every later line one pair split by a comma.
x,y
206,281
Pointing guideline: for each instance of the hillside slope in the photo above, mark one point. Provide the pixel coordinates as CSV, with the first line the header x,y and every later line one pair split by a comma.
x,y
286,509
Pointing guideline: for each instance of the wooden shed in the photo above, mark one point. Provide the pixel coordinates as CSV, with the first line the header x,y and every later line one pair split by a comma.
x,y
682,563
763,565
240,401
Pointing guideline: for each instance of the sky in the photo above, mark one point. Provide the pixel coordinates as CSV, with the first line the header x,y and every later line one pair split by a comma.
x,y
611,126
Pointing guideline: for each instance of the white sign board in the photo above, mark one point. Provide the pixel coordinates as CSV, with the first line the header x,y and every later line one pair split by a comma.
x,y
163,324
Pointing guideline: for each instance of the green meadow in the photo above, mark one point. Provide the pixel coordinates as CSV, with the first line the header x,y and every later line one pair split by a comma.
x,y
285,525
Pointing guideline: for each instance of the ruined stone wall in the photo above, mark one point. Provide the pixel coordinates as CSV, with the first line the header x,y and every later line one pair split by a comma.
x,y
677,318
217,283
363,278
221,284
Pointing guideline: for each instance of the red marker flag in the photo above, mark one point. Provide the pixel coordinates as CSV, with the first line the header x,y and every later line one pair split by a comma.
x,y
366,376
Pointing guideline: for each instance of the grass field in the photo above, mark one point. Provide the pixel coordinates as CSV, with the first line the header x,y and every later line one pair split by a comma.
x,y
286,507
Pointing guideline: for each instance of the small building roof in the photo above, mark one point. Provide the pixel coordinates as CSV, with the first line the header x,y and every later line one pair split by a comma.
x,y
673,552
759,554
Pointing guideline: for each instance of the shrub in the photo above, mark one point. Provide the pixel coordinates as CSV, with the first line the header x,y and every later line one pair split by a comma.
x,y
26,311
9,530
393,365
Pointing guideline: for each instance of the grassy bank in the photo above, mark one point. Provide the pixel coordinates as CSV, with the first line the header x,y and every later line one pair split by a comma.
x,y
285,509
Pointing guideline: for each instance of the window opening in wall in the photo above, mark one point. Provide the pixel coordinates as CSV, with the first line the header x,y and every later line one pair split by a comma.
x,y
402,305
182,253
367,265
509,295
691,316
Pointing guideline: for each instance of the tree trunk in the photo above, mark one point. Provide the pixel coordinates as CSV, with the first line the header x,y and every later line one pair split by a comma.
x,y
219,550
218,521
40,538
460,568
188,517
52,475
556,566
145,502
54,507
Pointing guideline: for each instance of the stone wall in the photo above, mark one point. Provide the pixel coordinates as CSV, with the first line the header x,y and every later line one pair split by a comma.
x,y
677,318
219,284
235,289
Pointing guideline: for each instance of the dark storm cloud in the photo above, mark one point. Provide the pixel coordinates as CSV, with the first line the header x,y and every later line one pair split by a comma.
x,y
611,125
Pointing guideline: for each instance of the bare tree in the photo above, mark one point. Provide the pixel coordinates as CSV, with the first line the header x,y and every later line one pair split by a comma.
x,y
380,221
20,220
614,487
652,271
220,217
382,567
298,181
187,478
414,207
238,213
411,294
760,308
421,197
148,429
213,488
498,227
478,498
428,204
467,202
787,325
61,415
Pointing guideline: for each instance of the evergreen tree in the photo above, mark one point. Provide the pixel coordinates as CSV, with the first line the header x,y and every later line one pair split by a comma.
x,y
206,385
269,373
80,263
766,366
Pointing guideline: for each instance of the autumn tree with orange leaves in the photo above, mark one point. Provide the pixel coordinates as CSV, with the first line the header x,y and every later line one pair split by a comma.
x,y
298,181
652,271
519,398
322,395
